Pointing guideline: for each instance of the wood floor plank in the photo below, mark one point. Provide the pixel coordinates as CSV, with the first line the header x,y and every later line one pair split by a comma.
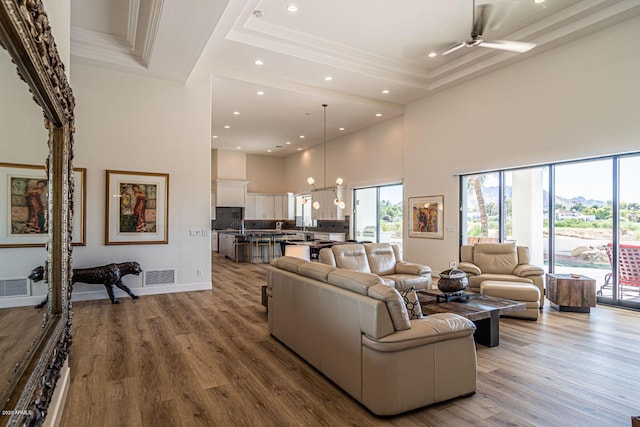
x,y
206,358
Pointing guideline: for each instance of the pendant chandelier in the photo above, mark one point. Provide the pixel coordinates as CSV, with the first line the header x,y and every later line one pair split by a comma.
x,y
339,203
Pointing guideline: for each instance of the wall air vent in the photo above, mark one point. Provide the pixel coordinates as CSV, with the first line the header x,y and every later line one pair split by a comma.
x,y
14,287
160,277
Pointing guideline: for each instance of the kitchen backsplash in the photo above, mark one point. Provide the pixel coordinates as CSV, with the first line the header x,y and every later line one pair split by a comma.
x,y
231,218
227,218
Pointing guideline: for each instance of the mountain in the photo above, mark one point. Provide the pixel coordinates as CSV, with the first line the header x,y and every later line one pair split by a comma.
x,y
491,195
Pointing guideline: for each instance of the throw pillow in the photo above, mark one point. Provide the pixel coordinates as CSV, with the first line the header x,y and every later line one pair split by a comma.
x,y
410,298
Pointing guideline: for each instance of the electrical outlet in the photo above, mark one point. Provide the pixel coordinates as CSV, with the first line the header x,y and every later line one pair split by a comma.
x,y
453,264
198,272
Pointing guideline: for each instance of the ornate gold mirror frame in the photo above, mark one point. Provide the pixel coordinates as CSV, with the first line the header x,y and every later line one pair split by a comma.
x,y
25,33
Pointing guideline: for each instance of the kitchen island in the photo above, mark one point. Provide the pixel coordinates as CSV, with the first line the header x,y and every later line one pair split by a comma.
x,y
263,245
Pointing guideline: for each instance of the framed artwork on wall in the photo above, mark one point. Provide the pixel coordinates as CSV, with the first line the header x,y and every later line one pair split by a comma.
x,y
137,208
427,217
24,193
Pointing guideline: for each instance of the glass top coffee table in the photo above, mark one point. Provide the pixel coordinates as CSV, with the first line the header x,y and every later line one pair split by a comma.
x,y
483,311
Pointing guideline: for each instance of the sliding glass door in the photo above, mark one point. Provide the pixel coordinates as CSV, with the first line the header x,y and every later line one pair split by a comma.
x,y
580,217
377,215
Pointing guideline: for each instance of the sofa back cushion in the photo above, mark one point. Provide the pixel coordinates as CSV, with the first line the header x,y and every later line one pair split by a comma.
x,y
352,257
315,270
354,281
381,257
326,256
289,263
495,258
395,305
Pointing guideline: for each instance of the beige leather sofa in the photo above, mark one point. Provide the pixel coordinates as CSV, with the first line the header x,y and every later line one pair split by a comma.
x,y
356,331
499,262
382,259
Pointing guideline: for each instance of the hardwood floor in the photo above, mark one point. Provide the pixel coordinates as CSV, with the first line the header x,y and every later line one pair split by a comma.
x,y
206,359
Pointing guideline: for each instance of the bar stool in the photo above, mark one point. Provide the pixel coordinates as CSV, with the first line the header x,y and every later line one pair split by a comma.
x,y
237,244
261,243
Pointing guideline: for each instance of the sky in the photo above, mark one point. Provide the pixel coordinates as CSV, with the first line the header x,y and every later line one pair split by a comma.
x,y
593,180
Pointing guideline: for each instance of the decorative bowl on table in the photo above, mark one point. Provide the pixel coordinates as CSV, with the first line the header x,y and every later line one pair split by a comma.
x,y
453,281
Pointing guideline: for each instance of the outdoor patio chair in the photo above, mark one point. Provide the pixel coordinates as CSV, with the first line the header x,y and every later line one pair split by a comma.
x,y
628,267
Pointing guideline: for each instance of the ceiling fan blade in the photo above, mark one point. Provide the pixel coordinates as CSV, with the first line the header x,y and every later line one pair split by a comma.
x,y
511,46
481,18
454,48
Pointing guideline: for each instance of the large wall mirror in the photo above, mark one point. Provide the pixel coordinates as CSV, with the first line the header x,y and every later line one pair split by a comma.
x,y
35,212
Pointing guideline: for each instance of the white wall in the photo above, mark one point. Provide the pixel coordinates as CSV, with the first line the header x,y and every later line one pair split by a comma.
x,y
578,100
372,156
131,123
266,174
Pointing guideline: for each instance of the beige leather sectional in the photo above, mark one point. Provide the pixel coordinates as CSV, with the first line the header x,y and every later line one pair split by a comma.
x,y
382,259
356,330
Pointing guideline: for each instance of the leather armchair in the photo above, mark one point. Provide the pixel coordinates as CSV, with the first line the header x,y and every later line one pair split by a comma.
x,y
499,262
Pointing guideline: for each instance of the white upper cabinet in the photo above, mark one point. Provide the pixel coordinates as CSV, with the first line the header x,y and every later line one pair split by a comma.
x,y
270,206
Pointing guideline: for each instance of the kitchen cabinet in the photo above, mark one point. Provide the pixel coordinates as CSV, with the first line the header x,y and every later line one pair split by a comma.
x,y
328,210
265,206
231,193
285,206
259,206
250,207
270,206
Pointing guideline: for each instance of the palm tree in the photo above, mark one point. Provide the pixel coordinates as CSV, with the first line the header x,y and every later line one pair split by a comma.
x,y
476,183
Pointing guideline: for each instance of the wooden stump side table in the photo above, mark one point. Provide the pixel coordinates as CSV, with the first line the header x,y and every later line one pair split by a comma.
x,y
567,292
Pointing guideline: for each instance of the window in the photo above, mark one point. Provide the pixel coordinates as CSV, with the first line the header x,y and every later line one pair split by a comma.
x,y
378,214
579,217
303,211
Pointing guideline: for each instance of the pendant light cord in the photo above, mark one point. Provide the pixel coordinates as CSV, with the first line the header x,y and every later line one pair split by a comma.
x,y
324,139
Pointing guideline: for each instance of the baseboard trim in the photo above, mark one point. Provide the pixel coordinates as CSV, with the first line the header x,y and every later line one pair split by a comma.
x,y
56,406
150,290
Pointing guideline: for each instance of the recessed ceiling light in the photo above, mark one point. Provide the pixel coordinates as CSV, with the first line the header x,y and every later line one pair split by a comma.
x,y
538,1
258,62
299,149
259,93
236,113
292,8
378,114
385,91
328,78
432,54
288,142
227,127
301,136
340,128
238,148
269,150
214,136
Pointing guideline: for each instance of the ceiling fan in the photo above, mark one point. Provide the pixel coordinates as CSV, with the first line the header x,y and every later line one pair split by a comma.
x,y
476,38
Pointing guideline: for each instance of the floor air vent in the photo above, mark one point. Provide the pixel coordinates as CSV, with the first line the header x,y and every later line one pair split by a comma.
x,y
14,287
160,277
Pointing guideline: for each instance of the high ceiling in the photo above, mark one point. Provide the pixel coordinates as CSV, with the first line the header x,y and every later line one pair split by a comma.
x,y
365,46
